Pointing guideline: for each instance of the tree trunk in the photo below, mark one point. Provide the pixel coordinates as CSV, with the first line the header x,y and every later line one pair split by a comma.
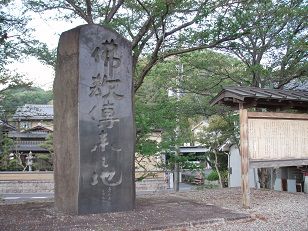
x,y
20,163
264,178
217,170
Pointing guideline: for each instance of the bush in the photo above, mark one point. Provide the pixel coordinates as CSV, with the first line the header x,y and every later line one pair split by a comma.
x,y
14,166
224,178
213,176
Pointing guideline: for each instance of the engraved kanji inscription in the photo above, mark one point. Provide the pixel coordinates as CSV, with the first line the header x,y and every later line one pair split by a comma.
x,y
103,142
106,53
108,116
97,84
109,176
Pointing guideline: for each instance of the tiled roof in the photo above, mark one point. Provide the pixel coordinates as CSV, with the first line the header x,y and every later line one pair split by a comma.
x,y
259,97
32,135
35,132
39,128
34,112
27,147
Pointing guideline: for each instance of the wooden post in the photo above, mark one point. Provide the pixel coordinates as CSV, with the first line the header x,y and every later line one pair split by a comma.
x,y
244,156
176,181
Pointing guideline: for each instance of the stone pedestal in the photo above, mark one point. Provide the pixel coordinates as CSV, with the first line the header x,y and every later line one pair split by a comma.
x,y
94,132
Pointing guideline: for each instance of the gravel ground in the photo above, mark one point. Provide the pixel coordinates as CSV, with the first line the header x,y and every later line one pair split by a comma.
x,y
270,210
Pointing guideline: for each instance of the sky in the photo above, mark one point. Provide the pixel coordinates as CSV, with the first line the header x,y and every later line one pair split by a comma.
x,y
48,31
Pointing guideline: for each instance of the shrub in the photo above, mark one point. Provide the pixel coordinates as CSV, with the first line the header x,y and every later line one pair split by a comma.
x,y
213,176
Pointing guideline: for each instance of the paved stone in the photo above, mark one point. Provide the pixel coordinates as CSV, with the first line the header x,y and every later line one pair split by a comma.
x,y
156,212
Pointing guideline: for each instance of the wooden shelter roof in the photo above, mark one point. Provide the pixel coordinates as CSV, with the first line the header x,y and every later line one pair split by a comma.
x,y
262,98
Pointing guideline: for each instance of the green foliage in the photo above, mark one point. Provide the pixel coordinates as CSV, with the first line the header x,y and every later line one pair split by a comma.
x,y
155,110
207,71
187,162
18,96
46,158
222,160
43,54
14,165
147,147
16,38
269,37
12,80
48,144
225,176
220,130
157,29
276,52
6,163
213,176
6,145
43,162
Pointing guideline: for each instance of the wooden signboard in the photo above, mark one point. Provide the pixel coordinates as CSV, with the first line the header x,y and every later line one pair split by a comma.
x,y
271,140
277,139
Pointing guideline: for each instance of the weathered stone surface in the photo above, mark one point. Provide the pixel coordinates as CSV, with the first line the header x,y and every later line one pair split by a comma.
x,y
94,132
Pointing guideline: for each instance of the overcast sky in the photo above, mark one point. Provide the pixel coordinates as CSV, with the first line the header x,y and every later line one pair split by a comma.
x,y
47,31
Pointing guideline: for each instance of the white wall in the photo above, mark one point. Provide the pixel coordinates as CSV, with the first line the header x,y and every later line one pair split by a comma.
x,y
235,165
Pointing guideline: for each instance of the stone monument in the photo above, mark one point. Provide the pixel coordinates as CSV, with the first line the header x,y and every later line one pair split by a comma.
x,y
94,131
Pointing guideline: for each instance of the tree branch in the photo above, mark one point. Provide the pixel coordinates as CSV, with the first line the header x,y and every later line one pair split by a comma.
x,y
151,63
150,17
89,10
144,29
113,11
180,27
80,12
154,57
137,52
205,46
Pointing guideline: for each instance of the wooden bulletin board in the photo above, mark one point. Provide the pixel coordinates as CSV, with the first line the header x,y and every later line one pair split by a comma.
x,y
271,140
277,139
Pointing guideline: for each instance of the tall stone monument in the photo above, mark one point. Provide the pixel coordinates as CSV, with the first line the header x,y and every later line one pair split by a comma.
x,y
94,131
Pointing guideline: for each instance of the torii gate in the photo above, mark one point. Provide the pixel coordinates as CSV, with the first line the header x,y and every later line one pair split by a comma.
x,y
261,133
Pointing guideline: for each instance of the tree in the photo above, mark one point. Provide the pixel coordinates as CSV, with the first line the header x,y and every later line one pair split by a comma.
x,y
156,109
158,29
276,52
47,157
152,109
10,161
18,95
11,28
219,131
268,36
206,71
16,39
6,144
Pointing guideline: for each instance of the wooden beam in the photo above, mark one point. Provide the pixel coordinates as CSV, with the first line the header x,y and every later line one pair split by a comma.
x,y
244,156
275,115
266,103
277,163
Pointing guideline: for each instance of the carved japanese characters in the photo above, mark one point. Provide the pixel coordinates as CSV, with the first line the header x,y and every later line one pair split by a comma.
x,y
99,96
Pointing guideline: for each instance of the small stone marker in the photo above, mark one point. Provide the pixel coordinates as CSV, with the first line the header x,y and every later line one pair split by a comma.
x,y
94,131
